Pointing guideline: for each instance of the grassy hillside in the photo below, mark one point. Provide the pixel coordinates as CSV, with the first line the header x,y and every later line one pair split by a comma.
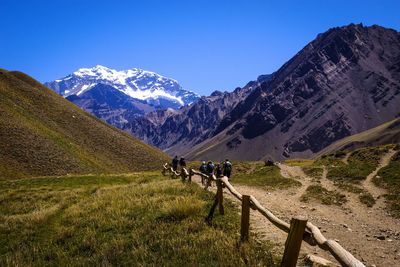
x,y
387,133
43,134
256,174
118,220
349,169
389,178
361,162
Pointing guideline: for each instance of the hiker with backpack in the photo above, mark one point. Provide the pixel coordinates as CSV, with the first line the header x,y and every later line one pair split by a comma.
x,y
210,172
203,169
210,168
175,162
227,168
218,170
182,163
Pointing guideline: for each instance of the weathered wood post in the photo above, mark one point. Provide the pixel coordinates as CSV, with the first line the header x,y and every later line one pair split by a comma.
x,y
207,182
245,222
220,196
293,241
211,213
183,176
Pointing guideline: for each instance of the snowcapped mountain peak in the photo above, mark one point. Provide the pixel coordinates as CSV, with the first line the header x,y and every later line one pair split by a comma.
x,y
151,87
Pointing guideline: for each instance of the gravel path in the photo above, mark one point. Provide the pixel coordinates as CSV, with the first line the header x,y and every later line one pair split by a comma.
x,y
368,233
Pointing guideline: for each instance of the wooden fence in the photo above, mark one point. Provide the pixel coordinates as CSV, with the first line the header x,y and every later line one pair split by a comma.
x,y
298,230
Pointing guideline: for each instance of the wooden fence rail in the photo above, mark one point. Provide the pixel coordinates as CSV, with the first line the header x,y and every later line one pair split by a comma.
x,y
298,230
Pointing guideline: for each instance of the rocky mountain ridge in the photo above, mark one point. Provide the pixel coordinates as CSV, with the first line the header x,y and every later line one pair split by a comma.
x,y
175,130
118,96
345,81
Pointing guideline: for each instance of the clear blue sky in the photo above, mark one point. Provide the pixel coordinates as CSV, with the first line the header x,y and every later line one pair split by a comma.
x,y
205,45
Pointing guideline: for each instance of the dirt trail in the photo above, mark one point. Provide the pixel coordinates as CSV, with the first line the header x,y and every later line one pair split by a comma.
x,y
368,233
377,192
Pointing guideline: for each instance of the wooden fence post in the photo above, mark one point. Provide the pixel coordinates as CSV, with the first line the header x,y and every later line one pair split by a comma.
x,y
293,241
220,196
245,222
183,177
207,182
211,213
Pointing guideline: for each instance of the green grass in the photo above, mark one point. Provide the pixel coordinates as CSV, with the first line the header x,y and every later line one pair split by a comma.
x,y
256,174
299,162
140,219
313,171
390,179
360,163
364,196
367,199
323,195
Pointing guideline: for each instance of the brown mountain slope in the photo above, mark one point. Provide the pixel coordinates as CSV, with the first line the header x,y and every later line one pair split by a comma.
x,y
387,133
176,131
43,134
344,82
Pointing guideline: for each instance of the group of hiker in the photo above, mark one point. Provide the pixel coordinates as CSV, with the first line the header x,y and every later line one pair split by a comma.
x,y
219,169
175,162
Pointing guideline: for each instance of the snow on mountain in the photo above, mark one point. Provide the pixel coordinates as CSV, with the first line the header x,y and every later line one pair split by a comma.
x,y
156,90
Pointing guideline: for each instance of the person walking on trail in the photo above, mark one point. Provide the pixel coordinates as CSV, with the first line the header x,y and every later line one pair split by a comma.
x,y
203,169
218,170
175,162
210,168
210,172
182,163
227,168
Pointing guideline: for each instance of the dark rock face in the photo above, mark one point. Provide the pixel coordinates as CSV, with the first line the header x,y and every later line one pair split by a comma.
x,y
176,130
110,104
320,137
345,81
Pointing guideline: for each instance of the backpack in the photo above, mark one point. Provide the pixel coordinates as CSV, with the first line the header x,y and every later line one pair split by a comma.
x,y
203,168
210,168
228,166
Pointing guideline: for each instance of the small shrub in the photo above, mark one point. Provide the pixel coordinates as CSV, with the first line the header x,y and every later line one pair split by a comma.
x,y
339,154
323,195
367,199
314,172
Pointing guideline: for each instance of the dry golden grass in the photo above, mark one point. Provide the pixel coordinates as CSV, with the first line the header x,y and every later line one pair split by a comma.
x,y
139,219
41,133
